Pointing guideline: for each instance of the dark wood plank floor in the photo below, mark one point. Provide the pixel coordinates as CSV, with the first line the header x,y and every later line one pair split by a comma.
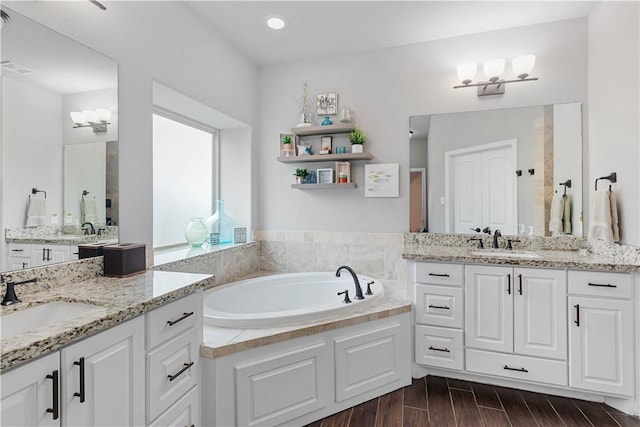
x,y
442,402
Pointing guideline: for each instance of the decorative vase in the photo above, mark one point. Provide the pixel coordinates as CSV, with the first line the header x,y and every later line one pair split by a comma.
x,y
326,121
356,148
345,115
221,223
196,232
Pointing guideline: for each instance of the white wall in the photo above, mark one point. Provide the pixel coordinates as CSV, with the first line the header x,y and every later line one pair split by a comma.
x,y
166,41
614,107
383,88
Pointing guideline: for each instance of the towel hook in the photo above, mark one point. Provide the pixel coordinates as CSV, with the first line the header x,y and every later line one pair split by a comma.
x,y
612,177
84,193
34,190
566,184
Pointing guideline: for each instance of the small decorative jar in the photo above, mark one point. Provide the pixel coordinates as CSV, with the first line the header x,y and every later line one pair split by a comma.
x,y
345,114
196,232
326,121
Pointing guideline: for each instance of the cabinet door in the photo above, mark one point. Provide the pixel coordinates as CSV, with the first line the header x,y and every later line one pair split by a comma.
x,y
17,263
540,313
28,397
103,378
601,345
49,254
489,308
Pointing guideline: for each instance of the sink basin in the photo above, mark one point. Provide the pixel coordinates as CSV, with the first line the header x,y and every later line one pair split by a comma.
x,y
40,316
506,254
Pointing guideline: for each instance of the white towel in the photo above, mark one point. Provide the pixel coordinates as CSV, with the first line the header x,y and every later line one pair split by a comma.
x,y
600,226
615,228
566,216
89,211
555,216
36,212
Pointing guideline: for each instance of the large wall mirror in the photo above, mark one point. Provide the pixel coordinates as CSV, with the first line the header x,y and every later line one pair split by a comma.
x,y
499,169
45,77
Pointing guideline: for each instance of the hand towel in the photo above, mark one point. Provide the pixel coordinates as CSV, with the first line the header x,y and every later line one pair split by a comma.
x,y
557,210
615,228
36,212
566,216
600,221
89,211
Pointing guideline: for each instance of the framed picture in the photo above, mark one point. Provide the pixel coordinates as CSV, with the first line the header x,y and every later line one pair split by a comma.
x,y
325,145
325,176
382,180
343,172
240,235
287,149
327,104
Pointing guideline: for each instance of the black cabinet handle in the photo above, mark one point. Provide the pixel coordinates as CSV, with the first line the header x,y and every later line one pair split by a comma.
x,y
520,284
446,350
439,275
515,369
55,376
17,250
80,394
43,254
184,316
444,307
509,283
177,374
607,285
577,321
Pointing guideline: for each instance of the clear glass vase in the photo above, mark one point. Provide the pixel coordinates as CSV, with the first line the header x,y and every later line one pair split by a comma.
x,y
221,223
196,232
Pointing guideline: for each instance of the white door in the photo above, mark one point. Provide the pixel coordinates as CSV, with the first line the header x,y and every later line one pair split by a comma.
x,y
601,355
540,313
489,308
480,187
103,378
28,397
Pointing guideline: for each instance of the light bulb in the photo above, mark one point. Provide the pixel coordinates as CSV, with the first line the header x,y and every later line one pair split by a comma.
x,y
276,22
103,114
90,116
493,69
522,65
77,117
467,71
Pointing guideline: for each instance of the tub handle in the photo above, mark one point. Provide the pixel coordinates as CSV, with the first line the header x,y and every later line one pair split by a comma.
x,y
184,316
346,296
369,288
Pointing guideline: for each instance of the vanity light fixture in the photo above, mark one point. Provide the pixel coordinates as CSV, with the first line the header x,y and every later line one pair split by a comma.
x,y
275,22
493,69
97,119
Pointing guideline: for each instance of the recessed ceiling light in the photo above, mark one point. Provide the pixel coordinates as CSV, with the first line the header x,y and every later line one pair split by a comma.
x,y
275,22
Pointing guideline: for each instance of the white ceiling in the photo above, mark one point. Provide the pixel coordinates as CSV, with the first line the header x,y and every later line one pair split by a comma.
x,y
328,27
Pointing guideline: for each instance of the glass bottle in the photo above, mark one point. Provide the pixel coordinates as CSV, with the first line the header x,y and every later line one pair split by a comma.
x,y
221,223
196,232
345,114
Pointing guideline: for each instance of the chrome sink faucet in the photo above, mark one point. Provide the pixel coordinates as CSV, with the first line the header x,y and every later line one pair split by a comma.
x,y
355,280
496,234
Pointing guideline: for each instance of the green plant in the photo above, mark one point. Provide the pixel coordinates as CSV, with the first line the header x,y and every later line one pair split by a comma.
x,y
301,172
357,136
286,139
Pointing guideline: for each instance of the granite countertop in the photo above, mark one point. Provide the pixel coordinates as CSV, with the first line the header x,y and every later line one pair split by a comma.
x,y
220,341
578,260
116,299
64,239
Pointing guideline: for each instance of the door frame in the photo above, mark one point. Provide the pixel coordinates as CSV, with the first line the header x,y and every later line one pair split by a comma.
x,y
423,173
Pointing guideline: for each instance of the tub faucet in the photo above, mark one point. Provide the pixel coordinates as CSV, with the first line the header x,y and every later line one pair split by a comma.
x,y
496,234
355,280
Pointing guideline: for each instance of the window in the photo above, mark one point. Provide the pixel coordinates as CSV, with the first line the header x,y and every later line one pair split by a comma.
x,y
185,176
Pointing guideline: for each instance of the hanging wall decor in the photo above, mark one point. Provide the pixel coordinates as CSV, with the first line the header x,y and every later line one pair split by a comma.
x,y
382,180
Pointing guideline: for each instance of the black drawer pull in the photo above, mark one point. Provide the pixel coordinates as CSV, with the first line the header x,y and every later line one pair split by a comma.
x,y
520,284
515,369
439,275
177,374
444,307
56,398
607,285
184,316
577,321
80,394
17,250
446,350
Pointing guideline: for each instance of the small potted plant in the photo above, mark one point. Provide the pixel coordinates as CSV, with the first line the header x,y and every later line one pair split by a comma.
x,y
357,138
287,148
300,174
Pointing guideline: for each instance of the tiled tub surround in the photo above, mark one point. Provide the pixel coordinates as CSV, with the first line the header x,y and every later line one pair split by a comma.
x,y
66,235
118,299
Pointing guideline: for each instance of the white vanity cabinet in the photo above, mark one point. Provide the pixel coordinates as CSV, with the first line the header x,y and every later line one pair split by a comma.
x,y
19,256
601,332
30,394
174,335
103,378
25,255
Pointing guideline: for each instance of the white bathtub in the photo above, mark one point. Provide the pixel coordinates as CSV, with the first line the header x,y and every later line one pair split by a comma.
x,y
285,299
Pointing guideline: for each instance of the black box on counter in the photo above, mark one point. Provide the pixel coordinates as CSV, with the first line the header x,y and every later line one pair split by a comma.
x,y
90,250
124,259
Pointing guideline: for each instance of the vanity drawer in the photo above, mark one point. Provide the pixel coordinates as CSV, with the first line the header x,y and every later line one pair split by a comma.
x,y
439,347
517,367
602,284
185,412
19,250
173,319
173,368
439,274
440,306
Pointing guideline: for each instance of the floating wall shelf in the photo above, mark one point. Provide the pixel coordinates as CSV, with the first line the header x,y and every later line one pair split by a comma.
x,y
344,186
323,130
326,158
